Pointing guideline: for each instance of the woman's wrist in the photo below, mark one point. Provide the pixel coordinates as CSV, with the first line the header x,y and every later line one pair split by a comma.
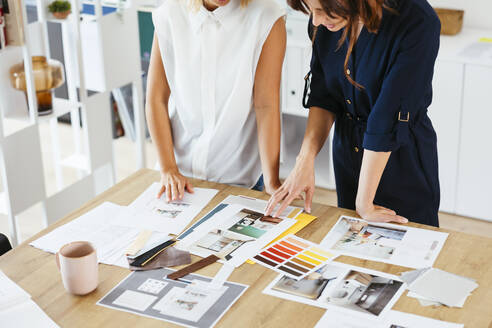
x,y
169,169
306,157
363,203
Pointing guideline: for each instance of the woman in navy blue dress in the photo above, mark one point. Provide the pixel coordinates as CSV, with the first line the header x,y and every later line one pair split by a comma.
x,y
371,75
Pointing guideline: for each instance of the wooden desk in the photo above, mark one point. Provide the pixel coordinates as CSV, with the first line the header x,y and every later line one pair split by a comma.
x,y
36,272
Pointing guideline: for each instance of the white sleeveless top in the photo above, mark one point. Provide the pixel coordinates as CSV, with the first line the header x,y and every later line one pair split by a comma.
x,y
210,60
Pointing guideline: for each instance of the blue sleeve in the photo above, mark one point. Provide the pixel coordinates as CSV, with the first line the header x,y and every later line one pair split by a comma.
x,y
320,95
406,88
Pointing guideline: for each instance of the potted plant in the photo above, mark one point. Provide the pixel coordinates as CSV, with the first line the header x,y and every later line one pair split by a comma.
x,y
60,8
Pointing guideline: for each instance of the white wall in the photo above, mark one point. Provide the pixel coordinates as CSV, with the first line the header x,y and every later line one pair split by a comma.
x,y
478,13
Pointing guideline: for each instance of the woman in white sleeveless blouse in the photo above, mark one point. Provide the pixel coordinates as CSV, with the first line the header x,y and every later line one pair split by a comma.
x,y
213,92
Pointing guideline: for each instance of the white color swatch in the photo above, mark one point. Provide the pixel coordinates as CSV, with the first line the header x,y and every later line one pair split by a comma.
x,y
443,287
135,300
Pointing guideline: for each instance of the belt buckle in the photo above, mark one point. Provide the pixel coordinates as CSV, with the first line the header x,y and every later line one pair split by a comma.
x,y
403,119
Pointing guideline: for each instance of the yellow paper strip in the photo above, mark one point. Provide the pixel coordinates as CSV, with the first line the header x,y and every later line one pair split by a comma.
x,y
303,220
485,40
139,242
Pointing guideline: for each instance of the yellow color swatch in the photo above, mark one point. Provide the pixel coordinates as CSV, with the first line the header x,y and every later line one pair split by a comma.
x,y
485,40
308,259
303,220
316,256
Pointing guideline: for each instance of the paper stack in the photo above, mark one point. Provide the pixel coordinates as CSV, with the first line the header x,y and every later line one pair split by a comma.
x,y
17,309
437,287
112,228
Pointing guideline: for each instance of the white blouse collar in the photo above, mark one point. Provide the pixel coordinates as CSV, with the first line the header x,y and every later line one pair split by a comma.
x,y
224,15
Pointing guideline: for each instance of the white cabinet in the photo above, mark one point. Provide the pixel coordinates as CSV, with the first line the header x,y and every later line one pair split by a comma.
x,y
296,65
474,195
445,113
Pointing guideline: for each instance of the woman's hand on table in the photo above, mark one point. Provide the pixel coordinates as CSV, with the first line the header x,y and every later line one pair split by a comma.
x,y
301,179
375,213
174,184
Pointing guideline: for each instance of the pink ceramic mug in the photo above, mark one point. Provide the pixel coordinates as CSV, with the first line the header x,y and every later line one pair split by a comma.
x,y
77,262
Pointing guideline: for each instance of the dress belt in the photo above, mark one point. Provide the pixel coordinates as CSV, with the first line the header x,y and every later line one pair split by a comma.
x,y
405,121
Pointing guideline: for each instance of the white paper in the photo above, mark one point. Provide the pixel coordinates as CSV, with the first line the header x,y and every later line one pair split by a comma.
x,y
233,234
135,300
149,212
444,287
26,315
351,290
424,301
335,319
408,320
383,242
97,227
411,276
191,302
223,274
152,286
259,205
10,293
428,303
17,309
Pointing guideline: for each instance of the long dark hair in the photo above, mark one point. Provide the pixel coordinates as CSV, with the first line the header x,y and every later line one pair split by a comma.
x,y
370,12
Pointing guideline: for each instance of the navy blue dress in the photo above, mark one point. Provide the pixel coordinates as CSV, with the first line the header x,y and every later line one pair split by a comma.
x,y
395,66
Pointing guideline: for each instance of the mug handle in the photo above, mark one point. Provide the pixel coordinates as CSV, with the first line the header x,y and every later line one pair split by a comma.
x,y
57,259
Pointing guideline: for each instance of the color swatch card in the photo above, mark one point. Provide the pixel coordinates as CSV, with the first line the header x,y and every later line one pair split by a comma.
x,y
294,257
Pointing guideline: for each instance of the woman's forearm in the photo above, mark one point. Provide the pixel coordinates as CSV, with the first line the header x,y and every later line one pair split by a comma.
x,y
156,110
373,164
318,128
161,134
268,122
266,101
